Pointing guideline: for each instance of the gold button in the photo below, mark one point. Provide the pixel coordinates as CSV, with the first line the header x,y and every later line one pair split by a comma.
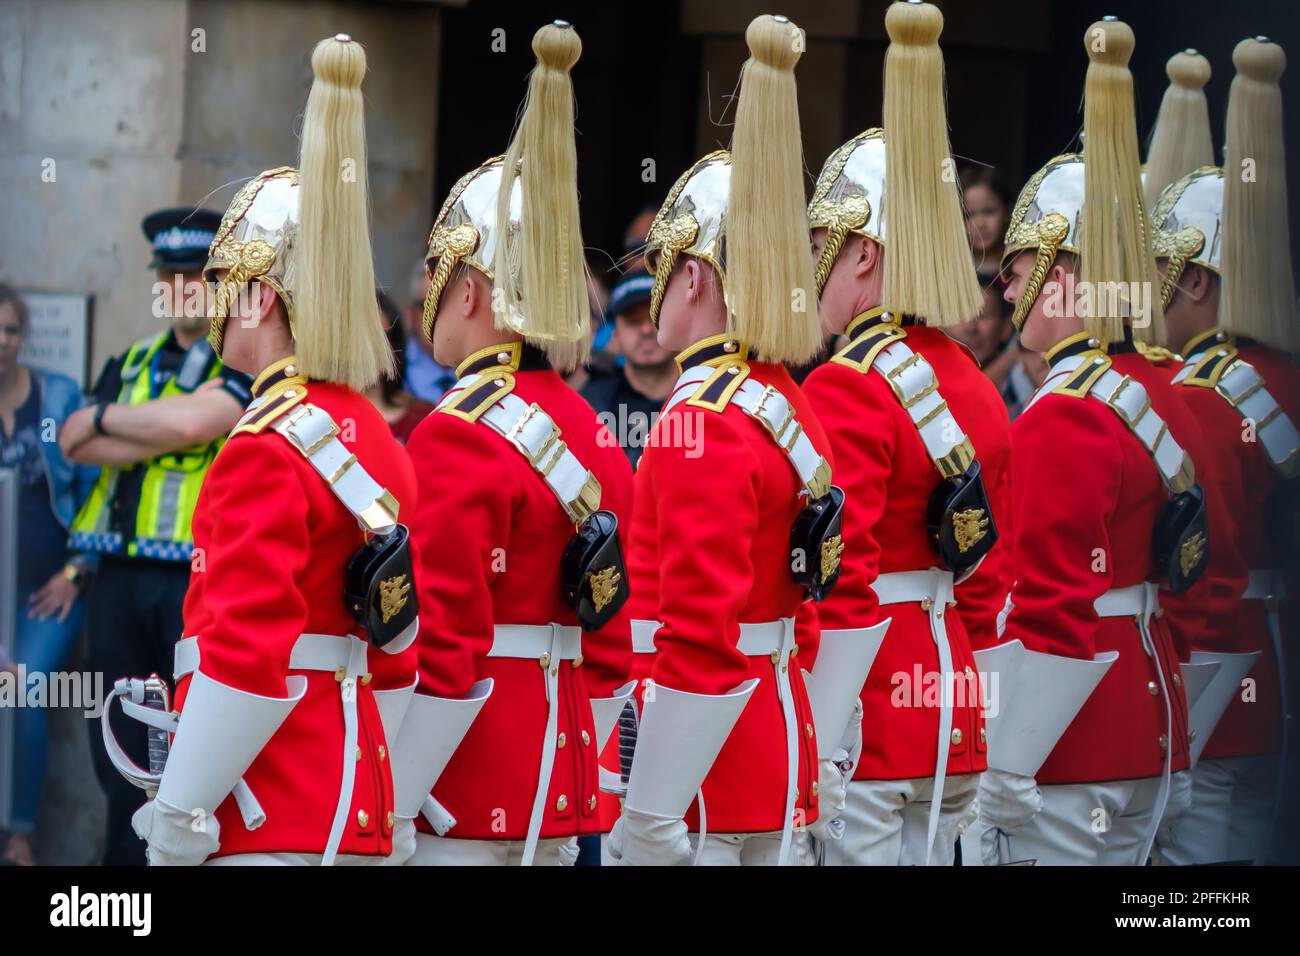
x,y
555,670
562,804
383,753
956,735
340,674
503,357
363,819
984,736
776,656
785,668
591,804
560,742
925,604
812,791
1178,681
358,753
1152,688
808,728
796,794
577,661
545,660
1164,742
969,673
290,370
952,603
794,652
391,819
366,679
586,739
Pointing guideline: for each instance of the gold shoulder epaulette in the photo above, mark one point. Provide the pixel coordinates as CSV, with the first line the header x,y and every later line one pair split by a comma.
x,y
1155,354
715,392
861,353
473,401
1079,382
256,420
1210,367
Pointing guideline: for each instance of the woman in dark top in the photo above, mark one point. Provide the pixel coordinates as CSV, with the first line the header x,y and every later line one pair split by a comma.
x,y
33,404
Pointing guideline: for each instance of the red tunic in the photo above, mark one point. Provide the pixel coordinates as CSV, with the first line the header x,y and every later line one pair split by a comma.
x,y
1085,496
491,534
710,549
888,477
1248,726
274,544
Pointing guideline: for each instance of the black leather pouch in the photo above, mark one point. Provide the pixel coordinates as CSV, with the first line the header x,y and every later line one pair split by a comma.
x,y
960,521
379,586
592,573
1181,539
816,537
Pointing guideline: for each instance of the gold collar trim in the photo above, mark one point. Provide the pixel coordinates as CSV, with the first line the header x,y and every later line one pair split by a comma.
x,y
277,376
501,355
1201,341
1071,345
713,351
865,319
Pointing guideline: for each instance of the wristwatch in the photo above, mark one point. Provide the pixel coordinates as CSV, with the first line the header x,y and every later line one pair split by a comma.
x,y
99,419
73,574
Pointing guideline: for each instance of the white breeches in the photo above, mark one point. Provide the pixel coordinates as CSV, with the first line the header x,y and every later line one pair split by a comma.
x,y
1231,814
886,821
1085,824
443,851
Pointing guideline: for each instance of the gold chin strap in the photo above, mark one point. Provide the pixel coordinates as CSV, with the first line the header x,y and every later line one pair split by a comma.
x,y
255,260
840,218
674,236
1186,244
449,247
1051,230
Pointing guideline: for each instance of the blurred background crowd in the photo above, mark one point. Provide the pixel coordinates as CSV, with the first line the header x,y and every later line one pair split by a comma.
x,y
121,110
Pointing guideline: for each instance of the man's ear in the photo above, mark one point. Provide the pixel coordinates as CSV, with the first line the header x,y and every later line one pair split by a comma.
x,y
868,258
694,279
1196,283
469,299
266,301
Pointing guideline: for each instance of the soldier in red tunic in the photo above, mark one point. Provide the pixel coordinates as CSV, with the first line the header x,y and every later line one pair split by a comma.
x,y
300,620
1104,509
510,464
736,521
922,444
1241,384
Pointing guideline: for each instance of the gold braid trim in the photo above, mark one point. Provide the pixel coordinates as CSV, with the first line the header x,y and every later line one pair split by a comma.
x,y
449,247
672,237
1185,245
840,219
1051,232
255,259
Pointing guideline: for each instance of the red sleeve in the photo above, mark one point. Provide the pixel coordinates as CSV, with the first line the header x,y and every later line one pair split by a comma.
x,y
462,519
708,516
252,561
858,417
607,653
1210,606
1064,483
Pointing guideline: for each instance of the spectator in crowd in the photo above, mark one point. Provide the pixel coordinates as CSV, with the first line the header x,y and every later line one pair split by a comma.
x,y
990,336
423,377
1029,372
160,414
629,397
988,211
604,358
50,491
633,261
402,410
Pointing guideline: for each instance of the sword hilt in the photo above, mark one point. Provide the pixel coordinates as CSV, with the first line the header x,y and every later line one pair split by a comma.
x,y
157,696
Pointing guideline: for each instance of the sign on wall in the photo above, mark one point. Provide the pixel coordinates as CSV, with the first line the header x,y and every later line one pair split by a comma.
x,y
58,339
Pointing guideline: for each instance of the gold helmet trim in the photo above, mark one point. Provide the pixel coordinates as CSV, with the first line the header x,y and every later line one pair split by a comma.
x,y
692,221
842,201
1187,226
255,240
1047,219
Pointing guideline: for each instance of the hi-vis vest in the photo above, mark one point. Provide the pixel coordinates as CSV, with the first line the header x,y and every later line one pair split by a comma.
x,y
159,527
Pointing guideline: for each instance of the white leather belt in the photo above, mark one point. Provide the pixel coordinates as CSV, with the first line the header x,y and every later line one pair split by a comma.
x,y
932,589
547,644
346,657
1140,601
775,640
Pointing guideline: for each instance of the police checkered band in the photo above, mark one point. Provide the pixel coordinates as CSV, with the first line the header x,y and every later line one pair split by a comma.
x,y
177,238
163,550
96,542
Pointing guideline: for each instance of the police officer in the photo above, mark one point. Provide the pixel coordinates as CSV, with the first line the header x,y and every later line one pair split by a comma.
x,y
159,414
